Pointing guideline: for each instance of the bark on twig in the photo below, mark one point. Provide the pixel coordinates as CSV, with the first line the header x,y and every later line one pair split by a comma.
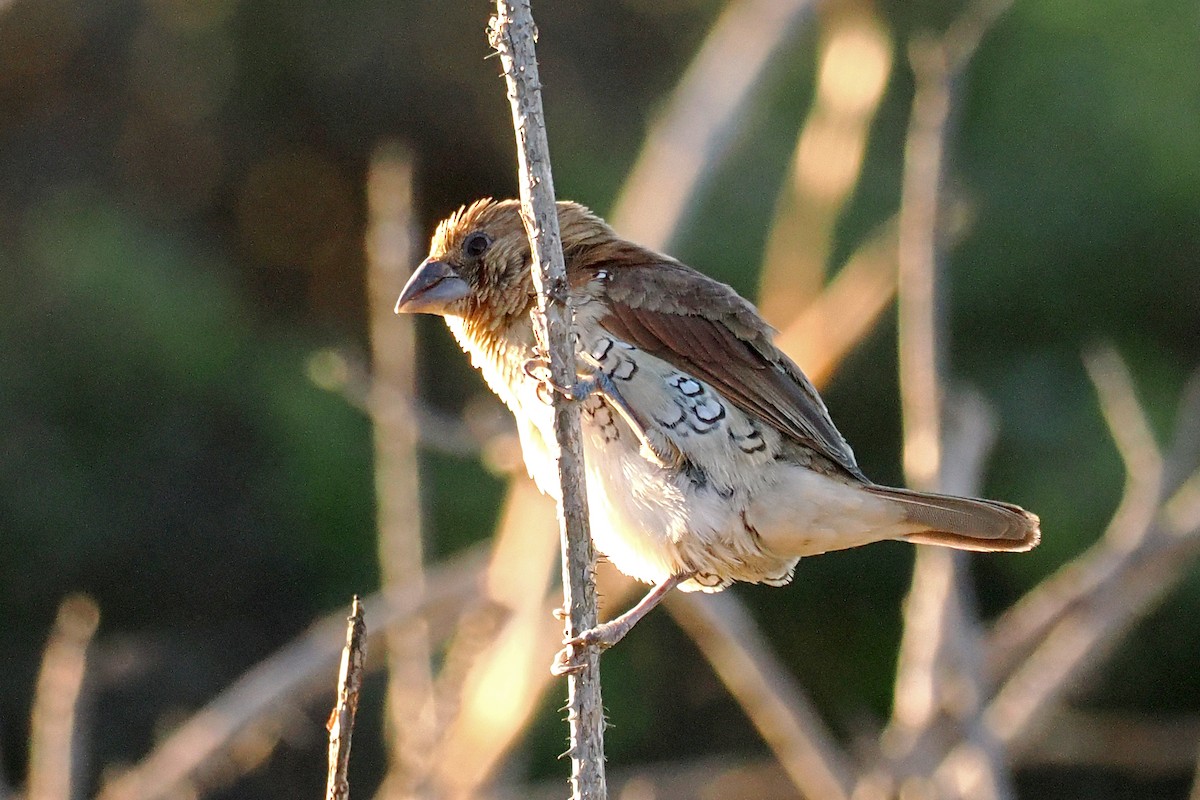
x,y
686,142
409,710
513,33
53,771
341,721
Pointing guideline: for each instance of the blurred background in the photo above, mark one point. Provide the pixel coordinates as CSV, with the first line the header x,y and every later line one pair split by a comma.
x,y
184,330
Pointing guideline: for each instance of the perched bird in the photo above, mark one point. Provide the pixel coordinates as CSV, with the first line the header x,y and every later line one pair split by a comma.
x,y
710,456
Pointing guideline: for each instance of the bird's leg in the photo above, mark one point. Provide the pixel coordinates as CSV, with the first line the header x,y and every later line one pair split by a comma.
x,y
606,634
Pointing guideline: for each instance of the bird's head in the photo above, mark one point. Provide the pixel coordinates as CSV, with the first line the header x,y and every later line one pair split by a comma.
x,y
479,263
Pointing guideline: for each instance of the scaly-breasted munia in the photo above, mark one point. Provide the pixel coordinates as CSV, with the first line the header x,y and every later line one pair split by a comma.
x,y
710,456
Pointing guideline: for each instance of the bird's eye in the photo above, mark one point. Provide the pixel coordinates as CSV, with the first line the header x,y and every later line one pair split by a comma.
x,y
477,244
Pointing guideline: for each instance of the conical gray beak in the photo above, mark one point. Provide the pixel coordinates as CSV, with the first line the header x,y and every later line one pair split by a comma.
x,y
431,289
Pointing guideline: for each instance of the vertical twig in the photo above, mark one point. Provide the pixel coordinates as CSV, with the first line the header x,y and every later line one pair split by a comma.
x,y
512,33
341,721
389,238
196,755
52,729
686,142
941,641
855,57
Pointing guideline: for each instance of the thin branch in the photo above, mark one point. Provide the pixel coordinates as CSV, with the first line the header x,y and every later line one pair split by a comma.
x,y
686,143
1024,625
341,721
828,328
940,650
729,638
1072,621
410,714
186,760
855,57
53,771
501,643
1079,641
512,33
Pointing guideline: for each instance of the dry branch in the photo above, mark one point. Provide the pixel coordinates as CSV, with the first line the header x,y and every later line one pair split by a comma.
x,y
688,140
53,770
729,638
512,34
855,58
201,748
1075,618
389,245
341,721
939,658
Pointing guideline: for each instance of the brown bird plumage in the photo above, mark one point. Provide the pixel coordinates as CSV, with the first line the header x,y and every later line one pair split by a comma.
x,y
711,458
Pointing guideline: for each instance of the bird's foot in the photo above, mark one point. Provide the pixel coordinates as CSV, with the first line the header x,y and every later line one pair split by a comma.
x,y
593,379
539,370
569,660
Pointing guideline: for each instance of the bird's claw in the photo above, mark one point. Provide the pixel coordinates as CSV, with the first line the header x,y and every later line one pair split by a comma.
x,y
565,664
593,379
569,660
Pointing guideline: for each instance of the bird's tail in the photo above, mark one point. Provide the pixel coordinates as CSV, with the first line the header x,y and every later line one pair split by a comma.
x,y
964,523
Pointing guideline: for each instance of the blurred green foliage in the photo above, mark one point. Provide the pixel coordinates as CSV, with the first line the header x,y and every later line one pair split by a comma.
x,y
180,227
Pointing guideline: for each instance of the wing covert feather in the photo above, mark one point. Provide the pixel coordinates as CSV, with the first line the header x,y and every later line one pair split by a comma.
x,y
704,328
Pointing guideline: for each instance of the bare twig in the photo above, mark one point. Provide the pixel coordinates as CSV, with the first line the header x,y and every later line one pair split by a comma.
x,y
512,34
491,678
1077,616
686,143
1024,625
776,705
341,721
855,57
940,649
846,311
409,706
188,758
53,771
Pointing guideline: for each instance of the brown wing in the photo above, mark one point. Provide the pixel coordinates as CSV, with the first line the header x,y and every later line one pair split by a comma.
x,y
704,328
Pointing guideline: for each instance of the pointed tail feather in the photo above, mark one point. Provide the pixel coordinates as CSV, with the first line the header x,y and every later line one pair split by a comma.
x,y
964,523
